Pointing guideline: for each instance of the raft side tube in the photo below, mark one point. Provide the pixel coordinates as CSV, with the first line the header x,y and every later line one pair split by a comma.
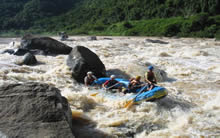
x,y
156,93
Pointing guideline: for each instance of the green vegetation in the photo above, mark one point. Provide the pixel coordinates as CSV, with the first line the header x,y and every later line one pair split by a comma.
x,y
195,26
112,17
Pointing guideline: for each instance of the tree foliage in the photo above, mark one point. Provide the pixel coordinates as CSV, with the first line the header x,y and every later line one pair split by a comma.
x,y
96,16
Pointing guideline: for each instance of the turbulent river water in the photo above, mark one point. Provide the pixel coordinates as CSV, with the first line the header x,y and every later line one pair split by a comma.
x,y
188,68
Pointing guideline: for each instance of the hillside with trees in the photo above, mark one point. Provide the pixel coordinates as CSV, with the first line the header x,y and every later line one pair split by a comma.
x,y
112,17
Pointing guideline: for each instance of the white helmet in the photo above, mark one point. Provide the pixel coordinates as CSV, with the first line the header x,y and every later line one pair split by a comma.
x,y
89,73
112,76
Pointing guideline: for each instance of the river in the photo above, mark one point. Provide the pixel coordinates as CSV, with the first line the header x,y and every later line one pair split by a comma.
x,y
189,68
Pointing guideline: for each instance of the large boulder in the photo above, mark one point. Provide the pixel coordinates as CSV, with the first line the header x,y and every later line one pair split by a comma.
x,y
46,44
81,60
34,110
29,59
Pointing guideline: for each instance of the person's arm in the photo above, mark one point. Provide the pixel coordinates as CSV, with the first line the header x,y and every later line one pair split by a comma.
x,y
86,81
146,78
94,77
104,84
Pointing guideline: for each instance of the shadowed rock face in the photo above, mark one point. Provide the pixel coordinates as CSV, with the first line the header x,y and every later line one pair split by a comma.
x,y
46,44
81,60
34,110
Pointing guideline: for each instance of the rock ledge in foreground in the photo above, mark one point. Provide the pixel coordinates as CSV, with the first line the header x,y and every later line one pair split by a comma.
x,y
34,110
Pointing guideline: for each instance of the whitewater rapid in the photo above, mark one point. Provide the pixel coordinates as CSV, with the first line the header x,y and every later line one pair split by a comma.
x,y
188,68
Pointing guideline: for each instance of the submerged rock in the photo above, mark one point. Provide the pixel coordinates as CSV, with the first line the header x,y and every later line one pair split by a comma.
x,y
20,52
47,44
81,60
34,110
156,41
92,38
9,51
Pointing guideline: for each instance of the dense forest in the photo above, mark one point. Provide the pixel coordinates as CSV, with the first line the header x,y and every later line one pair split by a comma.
x,y
188,18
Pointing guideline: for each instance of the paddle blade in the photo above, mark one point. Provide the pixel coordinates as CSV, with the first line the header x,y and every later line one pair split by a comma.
x,y
94,94
128,104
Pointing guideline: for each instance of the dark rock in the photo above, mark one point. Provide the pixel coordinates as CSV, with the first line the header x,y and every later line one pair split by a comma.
x,y
92,38
10,51
29,59
156,41
107,38
34,110
81,60
46,44
20,52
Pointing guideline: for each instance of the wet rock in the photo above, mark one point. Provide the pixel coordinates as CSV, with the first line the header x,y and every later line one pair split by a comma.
x,y
148,127
46,44
92,38
135,69
29,59
20,52
81,60
106,38
164,54
156,41
160,74
34,110
9,51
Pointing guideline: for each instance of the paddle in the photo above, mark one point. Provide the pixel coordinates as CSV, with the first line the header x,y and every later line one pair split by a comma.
x,y
130,102
94,94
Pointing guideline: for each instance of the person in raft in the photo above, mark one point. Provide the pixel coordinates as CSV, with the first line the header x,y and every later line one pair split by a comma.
x,y
134,84
111,84
150,78
89,79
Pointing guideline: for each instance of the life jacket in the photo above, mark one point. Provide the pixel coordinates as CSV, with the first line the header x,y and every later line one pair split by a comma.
x,y
110,83
90,80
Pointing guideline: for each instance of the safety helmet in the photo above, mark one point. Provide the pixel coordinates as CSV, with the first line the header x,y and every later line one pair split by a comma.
x,y
138,77
150,67
89,73
112,76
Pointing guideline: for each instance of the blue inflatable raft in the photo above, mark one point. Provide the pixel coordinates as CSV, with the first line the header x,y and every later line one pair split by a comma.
x,y
156,93
123,82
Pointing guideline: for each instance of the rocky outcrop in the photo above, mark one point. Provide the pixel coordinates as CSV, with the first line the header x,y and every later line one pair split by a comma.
x,y
34,110
81,60
46,44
